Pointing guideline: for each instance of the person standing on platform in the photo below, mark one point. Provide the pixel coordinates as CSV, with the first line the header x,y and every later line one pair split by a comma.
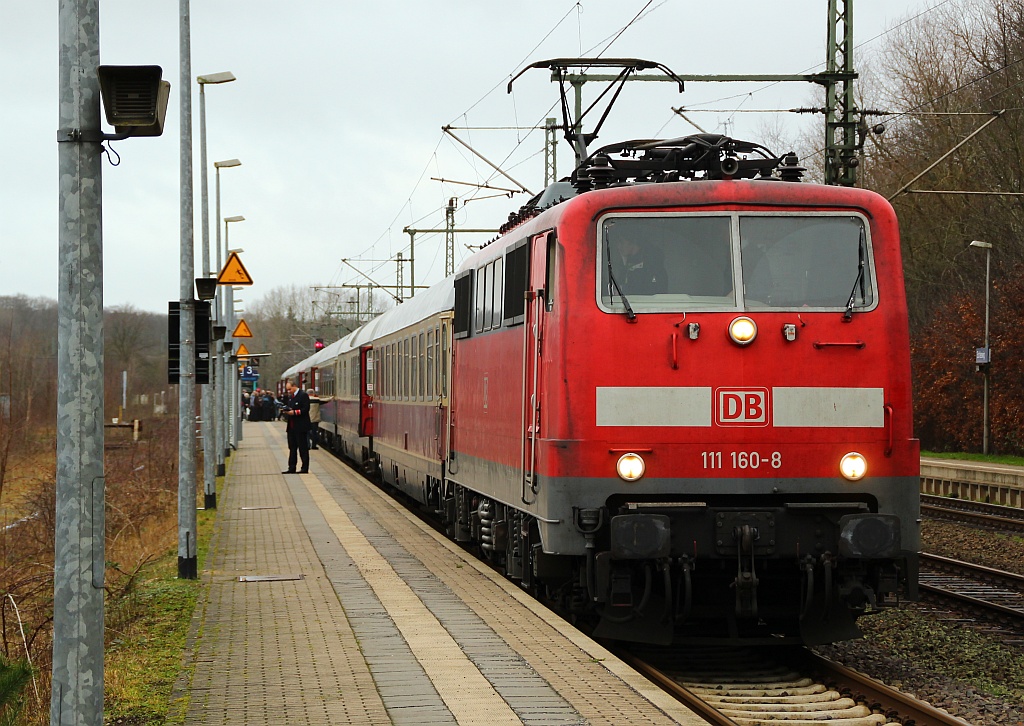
x,y
296,413
314,418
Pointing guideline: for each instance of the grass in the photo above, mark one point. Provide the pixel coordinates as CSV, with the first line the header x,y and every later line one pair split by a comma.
x,y
149,629
986,458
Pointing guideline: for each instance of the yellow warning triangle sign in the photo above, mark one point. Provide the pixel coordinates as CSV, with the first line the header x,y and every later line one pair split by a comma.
x,y
234,272
242,330
243,352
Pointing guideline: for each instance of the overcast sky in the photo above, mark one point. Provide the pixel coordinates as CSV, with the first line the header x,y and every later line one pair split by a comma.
x,y
337,113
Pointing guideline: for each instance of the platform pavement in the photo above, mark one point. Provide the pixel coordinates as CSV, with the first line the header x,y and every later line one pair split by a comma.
x,y
386,621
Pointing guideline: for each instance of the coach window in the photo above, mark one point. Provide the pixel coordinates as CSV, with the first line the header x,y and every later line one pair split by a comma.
x,y
400,371
439,361
389,383
407,365
391,372
423,369
415,386
430,364
355,373
407,370
442,363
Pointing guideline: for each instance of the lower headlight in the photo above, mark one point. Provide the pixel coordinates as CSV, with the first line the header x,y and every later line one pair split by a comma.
x,y
630,467
853,466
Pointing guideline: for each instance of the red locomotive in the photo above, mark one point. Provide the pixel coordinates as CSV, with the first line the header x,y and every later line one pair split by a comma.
x,y
674,396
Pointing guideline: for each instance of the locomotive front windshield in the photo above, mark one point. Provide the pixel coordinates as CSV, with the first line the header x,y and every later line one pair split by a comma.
x,y
673,263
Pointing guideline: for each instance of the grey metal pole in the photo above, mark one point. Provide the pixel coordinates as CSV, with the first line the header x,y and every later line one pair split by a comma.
x,y
229,316
224,389
78,574
222,398
210,390
232,368
239,417
187,558
985,425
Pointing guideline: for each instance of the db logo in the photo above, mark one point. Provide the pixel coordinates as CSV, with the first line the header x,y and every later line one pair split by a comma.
x,y
742,406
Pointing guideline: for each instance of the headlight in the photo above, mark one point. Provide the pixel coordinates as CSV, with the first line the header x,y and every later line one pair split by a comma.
x,y
743,330
853,466
630,467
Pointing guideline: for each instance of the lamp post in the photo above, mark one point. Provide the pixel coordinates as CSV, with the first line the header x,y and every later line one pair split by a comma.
x,y
187,522
212,452
223,450
231,381
985,359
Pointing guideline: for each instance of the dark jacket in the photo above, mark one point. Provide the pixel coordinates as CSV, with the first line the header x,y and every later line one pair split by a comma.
x,y
643,273
299,403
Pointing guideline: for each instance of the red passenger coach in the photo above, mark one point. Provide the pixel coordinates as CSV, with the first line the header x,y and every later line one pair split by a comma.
x,y
679,398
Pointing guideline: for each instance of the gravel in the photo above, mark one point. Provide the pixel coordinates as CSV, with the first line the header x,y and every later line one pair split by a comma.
x,y
971,670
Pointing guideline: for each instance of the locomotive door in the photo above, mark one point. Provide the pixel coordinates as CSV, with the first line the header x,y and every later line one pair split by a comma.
x,y
538,285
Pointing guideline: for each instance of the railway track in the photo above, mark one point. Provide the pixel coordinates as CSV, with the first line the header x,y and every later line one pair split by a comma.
x,y
729,686
991,516
995,594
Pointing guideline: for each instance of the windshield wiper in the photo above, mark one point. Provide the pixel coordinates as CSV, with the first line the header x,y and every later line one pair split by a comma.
x,y
848,315
630,315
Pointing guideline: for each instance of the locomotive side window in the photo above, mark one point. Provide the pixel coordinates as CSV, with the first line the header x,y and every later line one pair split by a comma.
x,y
517,271
495,279
481,287
463,304
489,295
817,261
549,282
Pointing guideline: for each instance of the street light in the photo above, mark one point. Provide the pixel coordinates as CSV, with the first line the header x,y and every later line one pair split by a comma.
x,y
984,356
222,393
212,465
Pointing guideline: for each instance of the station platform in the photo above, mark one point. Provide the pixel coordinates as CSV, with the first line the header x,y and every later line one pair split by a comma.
x,y
328,603
973,481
